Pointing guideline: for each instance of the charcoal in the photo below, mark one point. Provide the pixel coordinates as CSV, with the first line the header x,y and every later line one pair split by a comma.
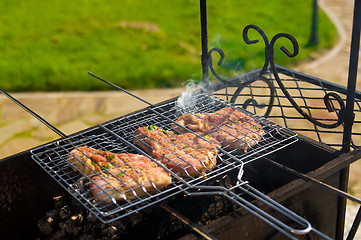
x,y
45,226
65,212
77,207
110,232
58,235
59,201
86,237
77,219
91,218
54,214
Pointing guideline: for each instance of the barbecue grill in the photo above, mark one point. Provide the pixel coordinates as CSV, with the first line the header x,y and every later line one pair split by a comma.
x,y
273,185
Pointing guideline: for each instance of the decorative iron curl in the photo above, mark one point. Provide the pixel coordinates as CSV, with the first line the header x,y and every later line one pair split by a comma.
x,y
269,55
249,101
254,102
210,63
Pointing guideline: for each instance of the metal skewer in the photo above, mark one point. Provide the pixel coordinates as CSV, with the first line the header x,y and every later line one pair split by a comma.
x,y
42,120
122,89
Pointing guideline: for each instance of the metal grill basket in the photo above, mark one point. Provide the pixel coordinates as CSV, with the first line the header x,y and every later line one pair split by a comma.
x,y
116,136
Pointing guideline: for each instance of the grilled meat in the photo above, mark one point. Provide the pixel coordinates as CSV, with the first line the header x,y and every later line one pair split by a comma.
x,y
232,128
238,135
184,154
119,176
87,160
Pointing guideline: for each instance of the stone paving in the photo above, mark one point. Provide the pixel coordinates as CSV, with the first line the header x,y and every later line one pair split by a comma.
x,y
72,112
68,112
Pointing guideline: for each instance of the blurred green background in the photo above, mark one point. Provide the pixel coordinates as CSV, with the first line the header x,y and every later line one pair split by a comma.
x,y
51,45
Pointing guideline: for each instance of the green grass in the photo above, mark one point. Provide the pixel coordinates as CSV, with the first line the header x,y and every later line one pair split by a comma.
x,y
51,45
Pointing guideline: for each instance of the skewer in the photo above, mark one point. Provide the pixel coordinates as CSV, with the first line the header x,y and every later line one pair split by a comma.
x,y
42,120
313,180
121,89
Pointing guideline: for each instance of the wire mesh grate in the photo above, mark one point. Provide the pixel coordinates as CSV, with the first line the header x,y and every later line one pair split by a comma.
x,y
117,136
264,97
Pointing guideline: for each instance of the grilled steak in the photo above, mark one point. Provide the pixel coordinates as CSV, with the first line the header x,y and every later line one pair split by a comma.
x,y
184,154
119,176
238,135
87,160
232,128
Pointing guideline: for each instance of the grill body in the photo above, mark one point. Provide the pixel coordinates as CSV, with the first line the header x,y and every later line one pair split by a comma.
x,y
27,193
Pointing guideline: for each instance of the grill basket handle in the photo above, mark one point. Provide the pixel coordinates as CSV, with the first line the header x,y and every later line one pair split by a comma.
x,y
277,224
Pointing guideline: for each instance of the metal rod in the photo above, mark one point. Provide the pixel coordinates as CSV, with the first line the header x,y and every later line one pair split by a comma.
x,y
122,89
308,178
341,192
314,38
316,81
352,76
349,116
204,40
42,120
341,206
355,225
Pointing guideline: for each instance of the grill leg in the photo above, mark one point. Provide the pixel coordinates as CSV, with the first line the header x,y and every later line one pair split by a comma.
x,y
341,213
355,225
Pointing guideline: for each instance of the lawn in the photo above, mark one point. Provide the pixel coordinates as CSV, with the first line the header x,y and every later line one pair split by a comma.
x,y
51,45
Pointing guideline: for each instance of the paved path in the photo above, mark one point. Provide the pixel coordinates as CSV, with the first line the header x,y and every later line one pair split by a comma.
x,y
332,65
71,112
68,112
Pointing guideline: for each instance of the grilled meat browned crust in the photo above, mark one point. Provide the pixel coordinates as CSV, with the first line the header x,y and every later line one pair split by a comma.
x,y
86,160
185,154
232,128
118,176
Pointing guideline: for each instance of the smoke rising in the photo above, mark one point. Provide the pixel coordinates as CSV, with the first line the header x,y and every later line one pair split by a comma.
x,y
189,98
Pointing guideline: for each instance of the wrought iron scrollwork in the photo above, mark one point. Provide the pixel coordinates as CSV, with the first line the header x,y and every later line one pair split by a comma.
x,y
269,54
254,102
241,86
220,61
270,65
